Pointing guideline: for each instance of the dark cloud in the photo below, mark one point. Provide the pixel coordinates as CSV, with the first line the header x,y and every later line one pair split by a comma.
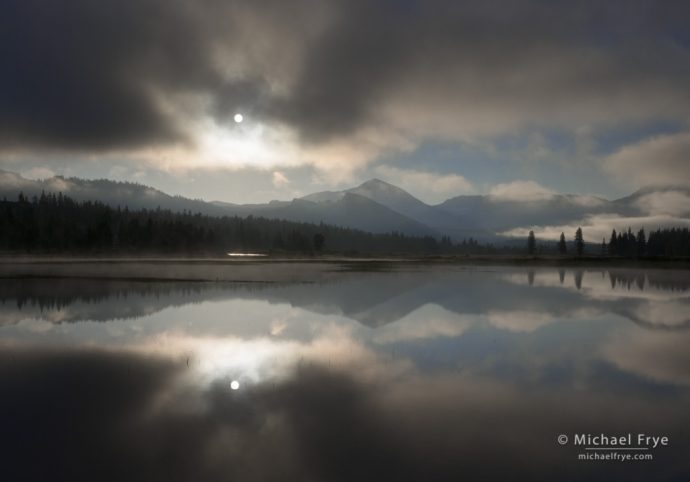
x,y
92,76
85,75
74,80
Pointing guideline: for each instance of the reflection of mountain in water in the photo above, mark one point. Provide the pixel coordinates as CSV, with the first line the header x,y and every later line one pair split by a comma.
x,y
651,298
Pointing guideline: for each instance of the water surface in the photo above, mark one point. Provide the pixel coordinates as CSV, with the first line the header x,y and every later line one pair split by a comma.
x,y
406,373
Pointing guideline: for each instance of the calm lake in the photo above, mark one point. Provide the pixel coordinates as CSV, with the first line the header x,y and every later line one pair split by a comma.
x,y
340,372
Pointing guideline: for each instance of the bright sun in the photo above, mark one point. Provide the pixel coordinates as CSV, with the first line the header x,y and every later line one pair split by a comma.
x,y
238,118
217,145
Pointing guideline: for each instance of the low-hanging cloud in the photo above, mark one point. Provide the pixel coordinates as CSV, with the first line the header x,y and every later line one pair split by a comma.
x,y
596,228
671,202
520,191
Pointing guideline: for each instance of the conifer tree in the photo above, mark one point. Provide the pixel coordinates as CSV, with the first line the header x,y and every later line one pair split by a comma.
x,y
579,242
562,247
531,243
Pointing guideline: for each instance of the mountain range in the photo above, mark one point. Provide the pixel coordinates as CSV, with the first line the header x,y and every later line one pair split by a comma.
x,y
374,206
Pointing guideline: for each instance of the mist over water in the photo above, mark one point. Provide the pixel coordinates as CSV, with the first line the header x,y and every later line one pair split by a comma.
x,y
332,373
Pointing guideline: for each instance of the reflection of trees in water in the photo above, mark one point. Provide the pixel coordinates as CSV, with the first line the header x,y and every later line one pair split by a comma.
x,y
49,294
666,284
373,299
105,300
578,275
57,294
67,300
627,279
660,280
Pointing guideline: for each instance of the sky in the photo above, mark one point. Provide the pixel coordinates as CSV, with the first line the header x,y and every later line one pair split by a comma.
x,y
438,97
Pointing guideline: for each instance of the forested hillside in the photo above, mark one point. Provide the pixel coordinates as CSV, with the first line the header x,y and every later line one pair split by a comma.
x,y
57,224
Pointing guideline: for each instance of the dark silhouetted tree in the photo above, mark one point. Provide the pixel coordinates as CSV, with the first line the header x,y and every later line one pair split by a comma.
x,y
562,247
579,242
613,244
626,244
641,243
319,241
531,243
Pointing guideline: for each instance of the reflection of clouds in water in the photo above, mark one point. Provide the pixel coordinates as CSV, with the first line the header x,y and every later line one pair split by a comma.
x,y
602,290
246,319
258,360
277,327
519,321
661,356
651,298
317,423
373,299
407,396
423,305
429,321
248,361
425,377
11,315
610,285
668,313
37,326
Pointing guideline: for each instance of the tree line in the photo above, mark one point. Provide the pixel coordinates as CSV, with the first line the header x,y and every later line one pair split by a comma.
x,y
55,223
666,242
561,245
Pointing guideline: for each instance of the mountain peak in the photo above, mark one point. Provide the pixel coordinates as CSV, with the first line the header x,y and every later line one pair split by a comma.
x,y
376,187
389,195
376,183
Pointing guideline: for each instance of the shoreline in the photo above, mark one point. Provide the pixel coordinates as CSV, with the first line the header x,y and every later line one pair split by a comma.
x,y
293,270
507,260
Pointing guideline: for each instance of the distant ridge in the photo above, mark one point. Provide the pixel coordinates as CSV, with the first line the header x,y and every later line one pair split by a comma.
x,y
112,193
375,206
